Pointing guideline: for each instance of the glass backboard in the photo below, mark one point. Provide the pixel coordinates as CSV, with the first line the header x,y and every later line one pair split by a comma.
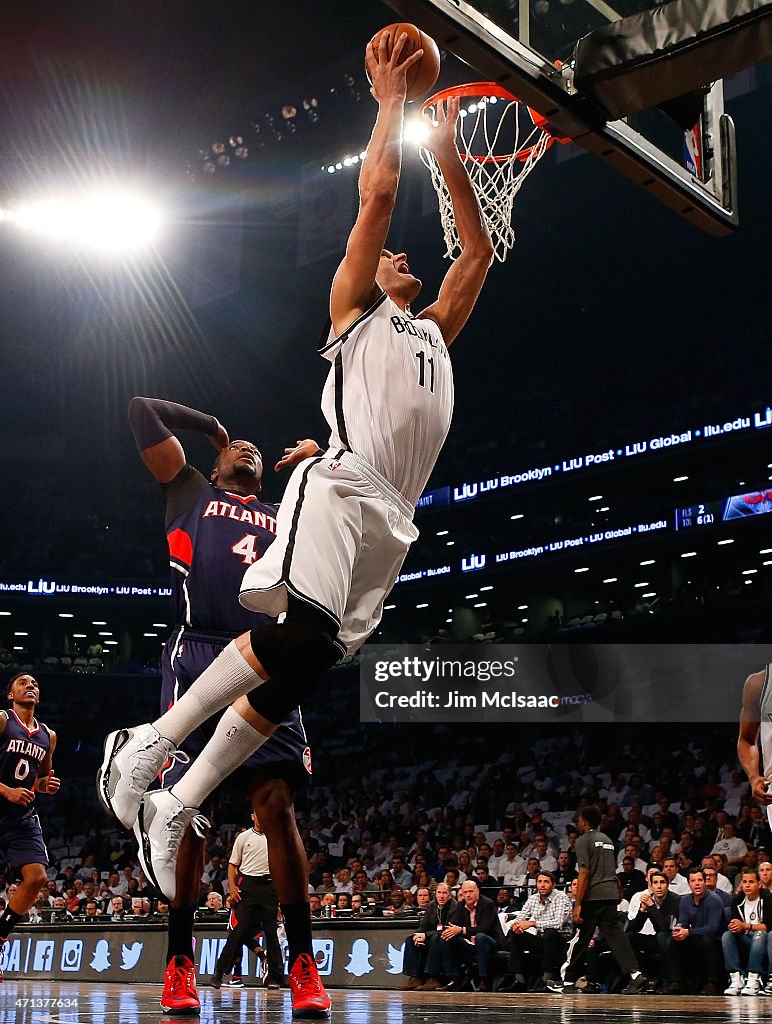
x,y
527,46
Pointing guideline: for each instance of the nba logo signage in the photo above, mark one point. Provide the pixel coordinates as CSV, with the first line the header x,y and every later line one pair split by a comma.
x,y
693,151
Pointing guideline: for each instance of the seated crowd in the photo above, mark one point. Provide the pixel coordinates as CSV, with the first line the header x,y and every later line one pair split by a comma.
x,y
412,830
696,903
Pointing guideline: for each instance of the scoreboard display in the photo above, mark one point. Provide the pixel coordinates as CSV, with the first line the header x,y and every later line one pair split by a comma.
x,y
705,513
737,506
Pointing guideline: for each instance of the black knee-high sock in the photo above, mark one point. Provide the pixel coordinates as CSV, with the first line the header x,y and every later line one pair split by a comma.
x,y
297,925
8,921
180,933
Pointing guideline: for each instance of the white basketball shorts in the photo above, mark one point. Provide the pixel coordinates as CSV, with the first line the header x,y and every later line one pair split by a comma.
x,y
342,534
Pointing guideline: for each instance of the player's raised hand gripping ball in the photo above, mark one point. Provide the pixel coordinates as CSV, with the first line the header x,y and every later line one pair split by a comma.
x,y
424,73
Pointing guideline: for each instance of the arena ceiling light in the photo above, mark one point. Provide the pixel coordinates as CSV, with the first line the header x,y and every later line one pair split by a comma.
x,y
159,625
482,604
110,221
689,554
638,585
522,607
345,162
647,561
98,623
442,533
80,636
728,540
6,613
485,588
519,515
66,615
679,479
470,597
415,131
449,544
584,568
595,497
388,607
612,579
425,605
749,572
764,551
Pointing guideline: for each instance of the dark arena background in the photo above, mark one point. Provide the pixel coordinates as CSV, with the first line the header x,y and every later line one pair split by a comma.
x,y
607,477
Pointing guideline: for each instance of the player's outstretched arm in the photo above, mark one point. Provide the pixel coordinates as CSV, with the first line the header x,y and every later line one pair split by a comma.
x,y
152,422
464,281
748,739
354,289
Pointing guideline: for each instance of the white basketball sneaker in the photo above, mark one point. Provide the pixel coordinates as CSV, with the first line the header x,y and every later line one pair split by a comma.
x,y
133,758
735,984
159,828
752,985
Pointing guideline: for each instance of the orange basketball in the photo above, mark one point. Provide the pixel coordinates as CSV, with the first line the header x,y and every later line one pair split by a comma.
x,y
422,76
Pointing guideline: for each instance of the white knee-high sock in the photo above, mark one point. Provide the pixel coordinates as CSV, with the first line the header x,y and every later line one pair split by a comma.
x,y
226,679
233,741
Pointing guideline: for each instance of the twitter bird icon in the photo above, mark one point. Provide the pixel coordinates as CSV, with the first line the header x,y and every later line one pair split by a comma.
x,y
130,955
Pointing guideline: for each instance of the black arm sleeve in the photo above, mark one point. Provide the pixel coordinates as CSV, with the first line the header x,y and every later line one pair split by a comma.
x,y
182,492
152,420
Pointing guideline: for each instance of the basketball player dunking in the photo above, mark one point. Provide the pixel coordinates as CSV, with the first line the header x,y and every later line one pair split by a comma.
x,y
214,529
755,730
346,521
26,753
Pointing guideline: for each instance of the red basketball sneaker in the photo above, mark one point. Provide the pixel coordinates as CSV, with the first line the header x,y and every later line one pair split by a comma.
x,y
179,995
309,998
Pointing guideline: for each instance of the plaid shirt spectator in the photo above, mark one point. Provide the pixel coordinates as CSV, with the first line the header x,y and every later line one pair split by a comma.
x,y
553,912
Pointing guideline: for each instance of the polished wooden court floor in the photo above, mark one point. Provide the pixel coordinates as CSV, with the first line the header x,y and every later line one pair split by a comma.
x,y
27,1002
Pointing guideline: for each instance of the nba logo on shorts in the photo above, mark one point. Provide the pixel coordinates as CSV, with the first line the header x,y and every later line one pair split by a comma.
x,y
335,464
307,760
231,732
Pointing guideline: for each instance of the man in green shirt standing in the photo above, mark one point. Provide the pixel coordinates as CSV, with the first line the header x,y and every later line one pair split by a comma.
x,y
597,896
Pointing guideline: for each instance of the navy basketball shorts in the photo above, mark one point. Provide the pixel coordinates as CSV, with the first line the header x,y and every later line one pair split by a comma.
x,y
21,839
286,755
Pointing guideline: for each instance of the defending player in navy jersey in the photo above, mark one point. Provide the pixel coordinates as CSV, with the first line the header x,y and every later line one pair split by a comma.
x,y
26,754
346,520
214,528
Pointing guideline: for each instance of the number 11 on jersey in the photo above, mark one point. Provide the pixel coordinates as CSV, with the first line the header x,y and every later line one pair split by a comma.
x,y
422,361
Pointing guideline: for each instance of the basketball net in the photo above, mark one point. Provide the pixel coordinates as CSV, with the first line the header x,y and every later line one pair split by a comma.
x,y
500,140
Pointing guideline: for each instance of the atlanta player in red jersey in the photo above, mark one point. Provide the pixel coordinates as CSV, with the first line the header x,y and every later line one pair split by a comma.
x,y
26,754
214,529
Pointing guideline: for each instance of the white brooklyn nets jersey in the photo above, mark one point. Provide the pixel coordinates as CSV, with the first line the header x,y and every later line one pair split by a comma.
x,y
389,394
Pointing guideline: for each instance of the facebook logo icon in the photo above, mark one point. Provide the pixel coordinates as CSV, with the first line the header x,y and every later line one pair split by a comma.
x,y
44,955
